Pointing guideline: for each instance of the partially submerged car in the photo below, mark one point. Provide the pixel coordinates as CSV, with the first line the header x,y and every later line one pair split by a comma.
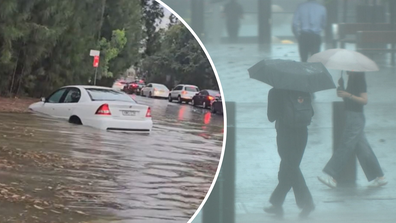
x,y
99,107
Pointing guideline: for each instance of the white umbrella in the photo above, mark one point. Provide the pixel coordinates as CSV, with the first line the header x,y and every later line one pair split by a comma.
x,y
342,59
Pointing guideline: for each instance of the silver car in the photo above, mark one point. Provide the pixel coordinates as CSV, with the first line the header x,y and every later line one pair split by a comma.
x,y
183,93
155,90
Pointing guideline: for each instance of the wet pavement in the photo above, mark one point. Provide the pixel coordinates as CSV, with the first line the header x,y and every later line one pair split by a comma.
x,y
113,177
257,160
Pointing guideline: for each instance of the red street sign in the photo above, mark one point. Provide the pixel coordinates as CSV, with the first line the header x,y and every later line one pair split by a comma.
x,y
96,61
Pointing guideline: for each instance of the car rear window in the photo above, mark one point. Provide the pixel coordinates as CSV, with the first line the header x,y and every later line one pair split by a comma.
x,y
193,89
97,94
214,93
160,86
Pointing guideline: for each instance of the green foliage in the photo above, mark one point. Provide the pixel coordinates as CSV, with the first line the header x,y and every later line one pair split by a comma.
x,y
111,49
45,44
151,16
181,58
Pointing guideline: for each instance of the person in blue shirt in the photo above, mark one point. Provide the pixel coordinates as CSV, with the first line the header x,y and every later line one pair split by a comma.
x,y
308,23
233,12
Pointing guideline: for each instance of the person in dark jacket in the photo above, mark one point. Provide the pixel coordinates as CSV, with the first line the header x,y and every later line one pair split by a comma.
x,y
233,13
291,141
353,139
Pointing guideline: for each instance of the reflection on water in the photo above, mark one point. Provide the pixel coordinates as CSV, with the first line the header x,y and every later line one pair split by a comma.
x,y
162,177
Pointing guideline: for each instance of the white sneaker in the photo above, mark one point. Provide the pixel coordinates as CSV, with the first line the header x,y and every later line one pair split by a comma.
x,y
328,181
378,182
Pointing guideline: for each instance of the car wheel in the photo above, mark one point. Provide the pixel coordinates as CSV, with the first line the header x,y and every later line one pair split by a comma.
x,y
204,105
193,102
150,96
179,99
75,120
212,109
170,98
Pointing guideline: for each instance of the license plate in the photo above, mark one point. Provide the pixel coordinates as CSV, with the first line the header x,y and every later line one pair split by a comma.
x,y
129,113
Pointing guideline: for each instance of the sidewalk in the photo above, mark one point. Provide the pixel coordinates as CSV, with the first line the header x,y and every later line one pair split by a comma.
x,y
257,158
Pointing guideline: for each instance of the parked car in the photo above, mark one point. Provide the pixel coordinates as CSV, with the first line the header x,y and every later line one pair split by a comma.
x,y
119,85
155,90
183,93
217,106
99,107
205,98
133,87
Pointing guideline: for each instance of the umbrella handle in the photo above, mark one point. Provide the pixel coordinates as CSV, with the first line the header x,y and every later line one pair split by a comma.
x,y
341,82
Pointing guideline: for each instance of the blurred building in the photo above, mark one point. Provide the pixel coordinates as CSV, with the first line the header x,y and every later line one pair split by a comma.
x,y
270,20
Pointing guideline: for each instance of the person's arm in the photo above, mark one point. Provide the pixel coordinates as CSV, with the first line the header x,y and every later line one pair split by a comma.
x,y
361,99
273,108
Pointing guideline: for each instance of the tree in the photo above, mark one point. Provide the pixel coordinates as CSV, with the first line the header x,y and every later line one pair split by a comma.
x,y
152,14
182,59
45,44
111,49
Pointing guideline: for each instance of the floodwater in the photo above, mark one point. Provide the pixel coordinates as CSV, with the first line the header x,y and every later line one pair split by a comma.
x,y
61,172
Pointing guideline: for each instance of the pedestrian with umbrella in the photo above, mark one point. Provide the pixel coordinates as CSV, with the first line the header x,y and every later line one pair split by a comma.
x,y
353,140
289,105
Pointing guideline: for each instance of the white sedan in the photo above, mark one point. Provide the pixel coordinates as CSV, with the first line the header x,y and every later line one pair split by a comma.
x,y
155,90
99,107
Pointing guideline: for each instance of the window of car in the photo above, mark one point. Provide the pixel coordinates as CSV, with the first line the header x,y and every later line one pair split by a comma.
x,y
214,93
191,89
160,86
204,93
178,88
99,94
56,96
73,95
149,85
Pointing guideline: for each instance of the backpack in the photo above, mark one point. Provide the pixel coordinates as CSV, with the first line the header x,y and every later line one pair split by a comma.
x,y
297,109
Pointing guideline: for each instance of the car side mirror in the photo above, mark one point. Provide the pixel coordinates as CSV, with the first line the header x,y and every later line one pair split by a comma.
x,y
43,99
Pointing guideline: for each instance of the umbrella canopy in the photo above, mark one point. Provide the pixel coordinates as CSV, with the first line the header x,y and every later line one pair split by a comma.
x,y
292,75
342,59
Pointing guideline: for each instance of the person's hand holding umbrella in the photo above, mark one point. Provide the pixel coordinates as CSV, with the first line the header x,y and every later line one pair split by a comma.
x,y
343,94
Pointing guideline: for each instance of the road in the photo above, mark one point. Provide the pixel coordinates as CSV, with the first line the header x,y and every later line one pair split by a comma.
x,y
161,177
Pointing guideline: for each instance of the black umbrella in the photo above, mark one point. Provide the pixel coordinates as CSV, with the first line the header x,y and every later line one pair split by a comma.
x,y
292,75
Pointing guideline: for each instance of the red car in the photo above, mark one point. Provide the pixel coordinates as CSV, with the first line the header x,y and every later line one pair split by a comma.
x,y
134,87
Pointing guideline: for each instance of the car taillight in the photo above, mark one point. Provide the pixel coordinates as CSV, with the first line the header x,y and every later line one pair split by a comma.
x,y
103,110
155,89
184,92
211,98
148,113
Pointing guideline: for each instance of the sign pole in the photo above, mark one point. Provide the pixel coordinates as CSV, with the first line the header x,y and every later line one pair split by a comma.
x,y
96,71
95,54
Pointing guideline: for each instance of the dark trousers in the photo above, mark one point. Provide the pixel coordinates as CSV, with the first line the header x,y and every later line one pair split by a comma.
x,y
233,30
353,142
308,45
291,146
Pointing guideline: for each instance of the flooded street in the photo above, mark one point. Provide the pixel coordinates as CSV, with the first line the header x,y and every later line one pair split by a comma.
x,y
54,171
